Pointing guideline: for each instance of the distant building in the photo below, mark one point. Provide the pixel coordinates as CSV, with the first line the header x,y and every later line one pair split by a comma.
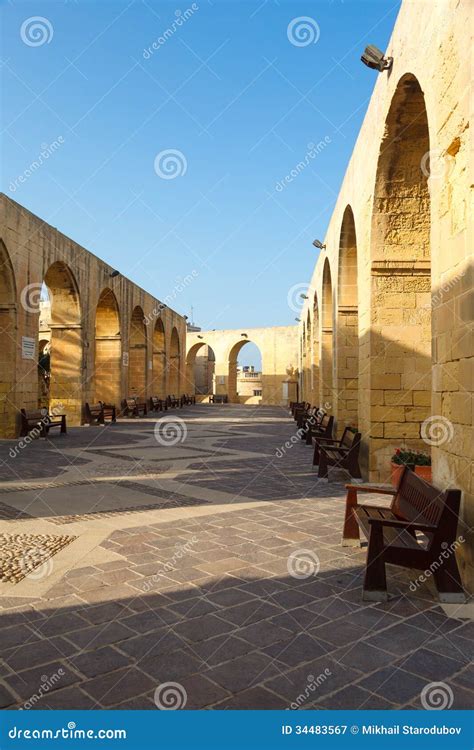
x,y
249,382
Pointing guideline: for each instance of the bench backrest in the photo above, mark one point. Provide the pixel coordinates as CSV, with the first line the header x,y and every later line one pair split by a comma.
x,y
350,439
94,408
418,500
38,414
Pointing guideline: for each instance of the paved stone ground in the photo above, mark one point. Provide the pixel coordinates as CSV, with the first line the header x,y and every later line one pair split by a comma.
x,y
182,572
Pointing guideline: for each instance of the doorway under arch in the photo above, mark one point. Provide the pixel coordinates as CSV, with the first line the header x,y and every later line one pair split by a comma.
x,y
63,318
108,349
8,415
400,331
137,359
327,369
347,326
174,364
158,386
200,370
316,353
245,380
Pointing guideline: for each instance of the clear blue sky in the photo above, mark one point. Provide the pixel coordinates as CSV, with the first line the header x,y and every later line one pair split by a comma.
x,y
230,92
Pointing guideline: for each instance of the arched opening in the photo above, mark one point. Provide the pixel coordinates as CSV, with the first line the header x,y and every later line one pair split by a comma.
x,y
246,379
304,385
309,357
347,326
158,386
108,349
327,385
399,347
8,417
174,364
316,353
200,370
60,322
137,354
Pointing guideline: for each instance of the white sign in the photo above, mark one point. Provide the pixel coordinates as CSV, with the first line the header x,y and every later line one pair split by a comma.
x,y
28,347
125,359
150,364
221,380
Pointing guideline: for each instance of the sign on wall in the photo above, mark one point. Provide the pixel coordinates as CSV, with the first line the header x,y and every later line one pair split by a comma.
x,y
28,347
125,359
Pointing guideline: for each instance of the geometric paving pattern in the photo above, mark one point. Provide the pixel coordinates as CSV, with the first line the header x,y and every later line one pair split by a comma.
x,y
211,597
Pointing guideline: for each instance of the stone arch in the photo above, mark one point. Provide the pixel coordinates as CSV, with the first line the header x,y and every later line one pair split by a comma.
x,y
174,363
108,349
309,356
327,317
399,347
347,344
159,360
200,369
66,357
233,391
137,358
8,333
316,352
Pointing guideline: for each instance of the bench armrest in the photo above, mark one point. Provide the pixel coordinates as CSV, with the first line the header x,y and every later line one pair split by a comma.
x,y
407,525
371,488
326,440
335,448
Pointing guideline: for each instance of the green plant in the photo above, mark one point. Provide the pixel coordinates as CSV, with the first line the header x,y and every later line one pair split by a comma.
x,y
410,458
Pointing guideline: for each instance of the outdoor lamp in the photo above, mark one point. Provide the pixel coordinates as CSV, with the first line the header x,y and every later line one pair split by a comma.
x,y
319,244
304,296
374,58
113,274
298,320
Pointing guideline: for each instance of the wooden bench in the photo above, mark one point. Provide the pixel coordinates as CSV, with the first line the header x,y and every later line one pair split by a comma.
x,y
133,407
296,405
39,420
187,400
393,534
172,401
157,404
323,430
299,412
343,453
218,398
100,413
311,423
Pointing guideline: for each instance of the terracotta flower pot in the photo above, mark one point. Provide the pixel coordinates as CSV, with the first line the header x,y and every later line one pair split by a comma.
x,y
395,473
424,472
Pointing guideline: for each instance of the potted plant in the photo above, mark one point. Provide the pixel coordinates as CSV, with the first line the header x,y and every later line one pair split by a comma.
x,y
423,466
400,459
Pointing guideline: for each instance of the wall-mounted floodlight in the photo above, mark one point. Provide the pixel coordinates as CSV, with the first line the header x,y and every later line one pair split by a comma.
x,y
319,244
113,274
375,59
200,337
298,320
244,334
304,296
162,306
185,317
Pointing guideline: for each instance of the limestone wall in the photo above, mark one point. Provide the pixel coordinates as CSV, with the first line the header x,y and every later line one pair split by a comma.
x,y
91,353
408,187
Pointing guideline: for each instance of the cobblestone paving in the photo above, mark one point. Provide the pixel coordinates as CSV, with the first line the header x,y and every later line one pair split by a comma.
x,y
210,595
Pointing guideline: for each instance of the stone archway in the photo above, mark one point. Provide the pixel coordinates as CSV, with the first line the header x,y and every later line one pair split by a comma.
x,y
200,369
174,364
66,363
327,368
400,328
347,343
137,354
238,389
316,353
8,317
108,349
158,386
